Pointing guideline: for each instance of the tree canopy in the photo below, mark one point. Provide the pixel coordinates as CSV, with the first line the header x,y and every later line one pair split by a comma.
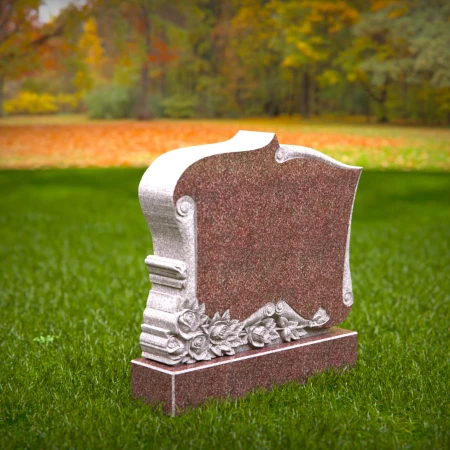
x,y
388,59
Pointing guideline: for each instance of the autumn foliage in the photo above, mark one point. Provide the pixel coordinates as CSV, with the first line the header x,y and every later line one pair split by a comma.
x,y
134,143
385,59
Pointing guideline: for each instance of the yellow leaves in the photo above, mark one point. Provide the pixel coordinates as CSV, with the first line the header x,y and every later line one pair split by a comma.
x,y
91,53
310,26
335,28
156,72
82,81
333,14
377,5
401,10
289,61
67,101
328,78
308,51
90,43
306,28
32,103
397,8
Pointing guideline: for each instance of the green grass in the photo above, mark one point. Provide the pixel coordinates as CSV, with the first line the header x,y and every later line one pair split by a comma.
x,y
72,249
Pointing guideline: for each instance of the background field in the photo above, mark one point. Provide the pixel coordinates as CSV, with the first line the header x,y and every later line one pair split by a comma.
x,y
71,266
74,141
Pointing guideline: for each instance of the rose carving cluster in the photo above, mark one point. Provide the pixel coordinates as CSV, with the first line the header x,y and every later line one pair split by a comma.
x,y
201,338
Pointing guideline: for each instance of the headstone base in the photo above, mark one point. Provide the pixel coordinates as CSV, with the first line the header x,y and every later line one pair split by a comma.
x,y
179,387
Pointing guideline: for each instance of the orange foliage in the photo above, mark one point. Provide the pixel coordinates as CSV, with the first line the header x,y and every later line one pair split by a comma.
x,y
137,144
161,52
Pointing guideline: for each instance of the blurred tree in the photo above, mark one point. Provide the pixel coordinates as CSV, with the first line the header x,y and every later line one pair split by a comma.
x,y
90,58
401,43
148,23
20,35
26,44
313,34
255,73
235,57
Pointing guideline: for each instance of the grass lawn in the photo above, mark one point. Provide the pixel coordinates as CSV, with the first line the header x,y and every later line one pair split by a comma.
x,y
73,244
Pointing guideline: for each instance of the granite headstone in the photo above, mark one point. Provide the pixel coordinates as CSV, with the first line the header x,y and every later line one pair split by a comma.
x,y
250,269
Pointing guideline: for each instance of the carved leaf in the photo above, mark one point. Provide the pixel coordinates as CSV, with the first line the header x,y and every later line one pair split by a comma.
x,y
237,342
188,360
286,335
186,304
273,335
204,319
215,318
298,333
269,324
216,350
321,317
225,347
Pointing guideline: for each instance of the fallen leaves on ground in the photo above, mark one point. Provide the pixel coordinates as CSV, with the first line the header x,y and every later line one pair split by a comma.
x,y
139,143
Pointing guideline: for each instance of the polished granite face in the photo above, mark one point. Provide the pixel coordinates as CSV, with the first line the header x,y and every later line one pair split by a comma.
x,y
270,231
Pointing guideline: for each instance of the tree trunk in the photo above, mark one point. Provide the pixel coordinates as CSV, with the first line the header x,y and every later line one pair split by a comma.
x,y
143,107
292,101
143,111
404,99
379,99
2,84
316,99
367,108
306,102
382,103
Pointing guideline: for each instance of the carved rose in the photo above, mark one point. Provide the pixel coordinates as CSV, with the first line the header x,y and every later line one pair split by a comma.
x,y
176,347
224,334
258,336
188,323
198,347
262,333
219,332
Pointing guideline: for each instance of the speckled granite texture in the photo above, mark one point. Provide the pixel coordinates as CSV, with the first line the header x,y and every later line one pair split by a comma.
x,y
177,388
249,272
268,231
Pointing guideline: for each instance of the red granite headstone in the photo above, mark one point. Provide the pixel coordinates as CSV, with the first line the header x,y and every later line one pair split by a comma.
x,y
251,258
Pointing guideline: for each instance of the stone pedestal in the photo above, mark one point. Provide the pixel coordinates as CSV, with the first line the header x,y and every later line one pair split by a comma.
x,y
179,387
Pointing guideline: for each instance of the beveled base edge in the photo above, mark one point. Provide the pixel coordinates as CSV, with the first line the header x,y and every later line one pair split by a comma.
x,y
191,384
